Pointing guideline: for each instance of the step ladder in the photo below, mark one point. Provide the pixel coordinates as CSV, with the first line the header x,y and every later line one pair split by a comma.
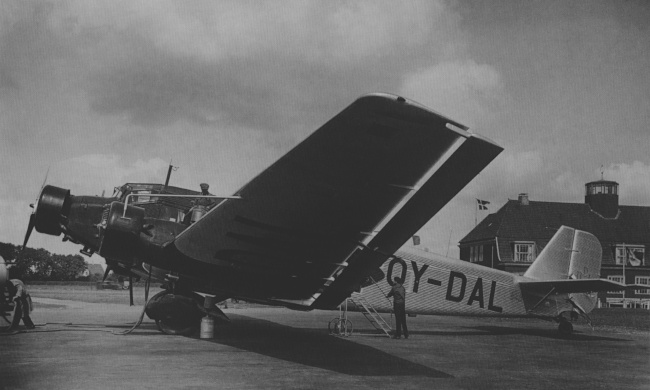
x,y
370,313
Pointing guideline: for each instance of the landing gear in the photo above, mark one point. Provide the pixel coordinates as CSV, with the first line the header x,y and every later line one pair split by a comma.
x,y
340,326
175,329
180,313
175,314
565,327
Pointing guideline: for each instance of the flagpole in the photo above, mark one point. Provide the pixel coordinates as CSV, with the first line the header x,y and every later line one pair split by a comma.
x,y
476,214
624,262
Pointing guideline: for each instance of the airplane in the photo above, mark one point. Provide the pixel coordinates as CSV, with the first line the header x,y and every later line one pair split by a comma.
x,y
305,233
562,280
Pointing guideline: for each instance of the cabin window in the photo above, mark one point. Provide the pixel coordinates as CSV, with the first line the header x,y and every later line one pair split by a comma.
x,y
642,280
524,252
618,279
634,255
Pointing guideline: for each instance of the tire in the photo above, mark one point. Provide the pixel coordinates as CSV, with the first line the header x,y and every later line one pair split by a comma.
x,y
337,327
175,330
565,328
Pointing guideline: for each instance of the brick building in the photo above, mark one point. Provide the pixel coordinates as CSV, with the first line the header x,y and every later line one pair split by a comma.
x,y
511,238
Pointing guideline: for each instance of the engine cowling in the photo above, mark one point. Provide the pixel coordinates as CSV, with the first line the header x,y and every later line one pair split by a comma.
x,y
52,210
121,231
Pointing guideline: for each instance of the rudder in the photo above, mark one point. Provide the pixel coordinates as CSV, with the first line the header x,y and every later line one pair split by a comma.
x,y
570,254
554,261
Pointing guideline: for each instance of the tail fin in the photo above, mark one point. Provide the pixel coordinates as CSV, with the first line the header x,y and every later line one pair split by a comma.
x,y
571,254
569,258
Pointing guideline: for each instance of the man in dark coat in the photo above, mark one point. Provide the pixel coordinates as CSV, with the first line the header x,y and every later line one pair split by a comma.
x,y
18,294
399,307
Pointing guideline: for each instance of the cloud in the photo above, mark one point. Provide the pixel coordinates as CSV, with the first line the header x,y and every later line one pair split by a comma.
x,y
245,64
507,175
461,90
93,172
253,64
633,180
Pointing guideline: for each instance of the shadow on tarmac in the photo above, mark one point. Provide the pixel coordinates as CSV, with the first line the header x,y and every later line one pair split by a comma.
x,y
315,348
503,331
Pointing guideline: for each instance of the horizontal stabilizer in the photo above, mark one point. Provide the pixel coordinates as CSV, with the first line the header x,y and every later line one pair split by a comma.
x,y
577,286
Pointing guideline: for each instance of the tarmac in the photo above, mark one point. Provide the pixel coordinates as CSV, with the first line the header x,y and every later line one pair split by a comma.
x,y
76,345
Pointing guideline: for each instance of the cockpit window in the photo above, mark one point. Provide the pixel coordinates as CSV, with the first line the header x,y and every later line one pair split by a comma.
x,y
144,197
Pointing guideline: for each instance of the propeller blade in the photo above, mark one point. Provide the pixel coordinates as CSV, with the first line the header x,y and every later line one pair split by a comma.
x,y
30,227
35,204
45,180
32,217
131,290
108,269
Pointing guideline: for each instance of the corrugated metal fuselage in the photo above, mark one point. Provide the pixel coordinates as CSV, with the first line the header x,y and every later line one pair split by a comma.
x,y
437,285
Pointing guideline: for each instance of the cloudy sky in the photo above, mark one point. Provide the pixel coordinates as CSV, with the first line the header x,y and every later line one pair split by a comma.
x,y
106,92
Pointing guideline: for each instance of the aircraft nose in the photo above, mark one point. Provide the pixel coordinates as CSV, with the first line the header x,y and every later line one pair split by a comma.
x,y
51,210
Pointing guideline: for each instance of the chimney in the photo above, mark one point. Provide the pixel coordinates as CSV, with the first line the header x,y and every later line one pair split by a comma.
x,y
523,199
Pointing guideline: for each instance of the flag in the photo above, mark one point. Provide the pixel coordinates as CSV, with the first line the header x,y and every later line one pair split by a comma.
x,y
416,240
632,259
482,204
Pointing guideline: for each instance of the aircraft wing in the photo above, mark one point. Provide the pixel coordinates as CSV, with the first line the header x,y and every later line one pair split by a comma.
x,y
299,221
577,286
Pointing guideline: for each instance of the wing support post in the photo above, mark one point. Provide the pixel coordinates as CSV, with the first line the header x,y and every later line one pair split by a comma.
x,y
541,300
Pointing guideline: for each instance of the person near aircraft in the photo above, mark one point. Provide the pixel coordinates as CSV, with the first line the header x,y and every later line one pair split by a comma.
x,y
398,292
207,202
18,294
200,206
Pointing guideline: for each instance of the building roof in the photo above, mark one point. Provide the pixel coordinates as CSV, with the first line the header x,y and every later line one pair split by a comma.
x,y
540,220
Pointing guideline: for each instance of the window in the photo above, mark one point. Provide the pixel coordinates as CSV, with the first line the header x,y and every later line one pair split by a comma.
x,y
635,255
476,253
618,279
141,198
642,280
524,252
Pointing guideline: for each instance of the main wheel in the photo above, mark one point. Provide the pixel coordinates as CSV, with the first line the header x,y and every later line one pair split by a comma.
x,y
340,327
176,329
565,328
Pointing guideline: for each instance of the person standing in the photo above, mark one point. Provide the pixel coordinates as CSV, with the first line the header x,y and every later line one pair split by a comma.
x,y
19,295
398,292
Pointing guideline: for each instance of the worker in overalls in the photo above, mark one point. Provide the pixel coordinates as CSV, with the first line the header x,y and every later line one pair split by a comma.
x,y
201,205
398,292
18,294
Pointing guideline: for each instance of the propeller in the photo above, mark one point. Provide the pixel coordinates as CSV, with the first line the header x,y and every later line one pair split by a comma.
x,y
32,217
108,269
131,291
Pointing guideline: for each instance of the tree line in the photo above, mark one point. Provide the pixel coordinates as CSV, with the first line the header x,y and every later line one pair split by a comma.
x,y
41,265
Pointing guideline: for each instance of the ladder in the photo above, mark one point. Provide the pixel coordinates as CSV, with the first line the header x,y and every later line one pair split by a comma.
x,y
370,313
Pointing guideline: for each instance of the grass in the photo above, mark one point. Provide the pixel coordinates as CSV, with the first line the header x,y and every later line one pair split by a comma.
x,y
636,319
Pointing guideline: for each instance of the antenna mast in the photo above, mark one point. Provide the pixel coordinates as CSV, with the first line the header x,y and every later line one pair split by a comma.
x,y
169,172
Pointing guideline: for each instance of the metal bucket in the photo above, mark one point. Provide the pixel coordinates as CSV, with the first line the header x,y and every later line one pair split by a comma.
x,y
207,328
197,213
